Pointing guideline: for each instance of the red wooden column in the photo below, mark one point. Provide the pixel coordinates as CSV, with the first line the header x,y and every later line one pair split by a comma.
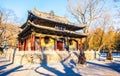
x,y
26,44
22,47
29,43
40,42
32,42
68,44
55,44
19,46
79,44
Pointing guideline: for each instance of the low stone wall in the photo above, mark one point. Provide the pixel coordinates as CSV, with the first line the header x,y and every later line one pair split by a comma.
x,y
90,55
25,57
9,54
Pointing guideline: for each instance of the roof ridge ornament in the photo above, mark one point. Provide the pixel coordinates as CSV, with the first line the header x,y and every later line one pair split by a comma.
x,y
35,9
52,13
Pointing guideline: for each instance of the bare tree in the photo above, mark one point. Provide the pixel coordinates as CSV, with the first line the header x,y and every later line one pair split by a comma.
x,y
104,22
85,12
107,41
6,18
1,27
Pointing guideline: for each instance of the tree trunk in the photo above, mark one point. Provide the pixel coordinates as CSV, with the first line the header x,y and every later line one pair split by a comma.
x,y
109,55
81,58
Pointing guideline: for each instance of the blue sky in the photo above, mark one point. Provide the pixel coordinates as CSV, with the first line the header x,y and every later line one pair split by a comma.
x,y
20,7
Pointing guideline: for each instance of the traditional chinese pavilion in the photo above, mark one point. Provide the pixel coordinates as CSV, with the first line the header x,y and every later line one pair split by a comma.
x,y
43,31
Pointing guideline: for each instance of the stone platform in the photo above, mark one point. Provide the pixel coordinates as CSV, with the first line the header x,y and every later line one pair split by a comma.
x,y
24,57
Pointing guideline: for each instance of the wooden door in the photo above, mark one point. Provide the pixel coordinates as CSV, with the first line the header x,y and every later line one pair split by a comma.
x,y
59,45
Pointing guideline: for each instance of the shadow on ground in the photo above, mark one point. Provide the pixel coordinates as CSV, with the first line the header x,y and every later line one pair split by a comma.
x,y
10,61
11,70
4,73
68,71
4,66
113,66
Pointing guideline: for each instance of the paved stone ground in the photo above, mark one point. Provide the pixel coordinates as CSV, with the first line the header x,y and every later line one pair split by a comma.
x,y
93,68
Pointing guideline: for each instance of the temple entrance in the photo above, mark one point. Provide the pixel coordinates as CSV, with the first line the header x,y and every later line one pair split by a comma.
x,y
59,45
